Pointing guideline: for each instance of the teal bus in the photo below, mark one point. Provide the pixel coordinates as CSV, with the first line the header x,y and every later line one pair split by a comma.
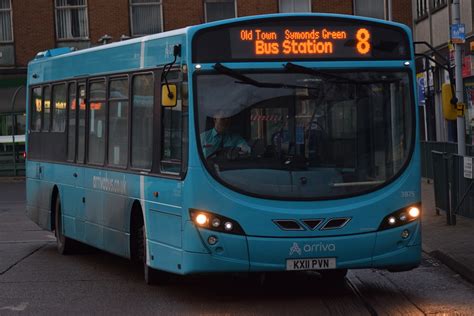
x,y
283,142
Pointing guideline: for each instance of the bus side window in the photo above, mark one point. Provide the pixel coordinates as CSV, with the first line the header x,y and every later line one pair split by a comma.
x,y
59,108
97,114
72,108
81,128
36,109
172,135
142,121
46,108
118,123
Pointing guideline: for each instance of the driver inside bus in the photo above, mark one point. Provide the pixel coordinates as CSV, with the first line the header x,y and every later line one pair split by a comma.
x,y
220,137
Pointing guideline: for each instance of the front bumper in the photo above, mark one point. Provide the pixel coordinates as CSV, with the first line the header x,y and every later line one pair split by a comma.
x,y
235,253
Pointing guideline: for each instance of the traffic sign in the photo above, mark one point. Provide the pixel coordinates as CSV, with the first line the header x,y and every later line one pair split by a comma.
x,y
458,33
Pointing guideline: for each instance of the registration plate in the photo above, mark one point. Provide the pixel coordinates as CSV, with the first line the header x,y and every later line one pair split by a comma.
x,y
310,264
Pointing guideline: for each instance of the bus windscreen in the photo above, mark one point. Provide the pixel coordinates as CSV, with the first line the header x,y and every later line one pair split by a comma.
x,y
310,38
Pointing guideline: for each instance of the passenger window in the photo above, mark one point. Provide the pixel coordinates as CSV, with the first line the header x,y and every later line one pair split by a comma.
x,y
81,130
97,114
59,108
172,135
46,108
71,144
118,123
36,109
142,121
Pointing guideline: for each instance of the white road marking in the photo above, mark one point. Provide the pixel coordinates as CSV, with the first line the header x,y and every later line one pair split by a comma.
x,y
17,308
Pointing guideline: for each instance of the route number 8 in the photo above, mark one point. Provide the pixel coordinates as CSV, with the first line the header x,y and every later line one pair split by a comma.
x,y
363,45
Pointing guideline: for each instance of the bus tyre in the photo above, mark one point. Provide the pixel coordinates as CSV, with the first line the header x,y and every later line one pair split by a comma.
x,y
337,275
152,276
64,244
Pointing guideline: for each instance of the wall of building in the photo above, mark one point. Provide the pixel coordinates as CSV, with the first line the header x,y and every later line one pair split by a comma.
x,y
113,20
182,13
402,12
335,6
33,28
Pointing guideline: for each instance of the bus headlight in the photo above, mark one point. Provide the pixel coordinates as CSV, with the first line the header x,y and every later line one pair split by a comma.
x,y
401,217
414,212
212,221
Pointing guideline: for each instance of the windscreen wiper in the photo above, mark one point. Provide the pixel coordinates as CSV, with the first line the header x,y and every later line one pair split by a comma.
x,y
247,80
340,79
318,73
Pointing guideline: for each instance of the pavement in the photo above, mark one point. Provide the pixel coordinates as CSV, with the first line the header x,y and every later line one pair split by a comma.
x,y
452,245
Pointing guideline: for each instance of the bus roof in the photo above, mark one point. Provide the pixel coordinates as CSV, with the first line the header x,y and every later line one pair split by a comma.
x,y
143,52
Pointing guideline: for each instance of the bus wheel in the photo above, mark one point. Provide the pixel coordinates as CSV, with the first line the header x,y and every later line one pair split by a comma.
x,y
337,275
64,244
152,276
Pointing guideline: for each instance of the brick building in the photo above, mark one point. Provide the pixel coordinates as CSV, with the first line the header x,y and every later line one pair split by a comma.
x,y
26,29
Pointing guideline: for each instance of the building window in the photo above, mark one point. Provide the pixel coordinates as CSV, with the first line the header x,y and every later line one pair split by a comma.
x,y
288,6
421,8
219,10
6,34
370,8
146,17
436,4
71,19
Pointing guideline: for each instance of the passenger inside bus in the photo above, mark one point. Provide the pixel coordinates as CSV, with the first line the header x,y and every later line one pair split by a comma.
x,y
220,138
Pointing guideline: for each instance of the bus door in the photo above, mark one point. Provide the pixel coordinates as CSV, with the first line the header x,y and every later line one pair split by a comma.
x,y
170,128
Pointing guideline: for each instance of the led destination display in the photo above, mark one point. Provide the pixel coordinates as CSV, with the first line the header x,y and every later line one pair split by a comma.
x,y
295,42
300,38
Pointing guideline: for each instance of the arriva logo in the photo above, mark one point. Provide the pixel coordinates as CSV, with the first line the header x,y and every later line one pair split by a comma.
x,y
295,248
307,248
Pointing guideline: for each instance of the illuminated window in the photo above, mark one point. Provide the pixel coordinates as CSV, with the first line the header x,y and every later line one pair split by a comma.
x,y
59,108
46,109
97,115
6,34
71,19
72,108
219,10
370,8
288,6
146,17
36,109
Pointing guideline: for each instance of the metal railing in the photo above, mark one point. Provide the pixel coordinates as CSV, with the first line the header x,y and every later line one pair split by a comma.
x,y
454,194
445,147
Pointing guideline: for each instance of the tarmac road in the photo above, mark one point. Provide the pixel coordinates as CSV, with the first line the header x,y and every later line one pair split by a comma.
x,y
35,279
